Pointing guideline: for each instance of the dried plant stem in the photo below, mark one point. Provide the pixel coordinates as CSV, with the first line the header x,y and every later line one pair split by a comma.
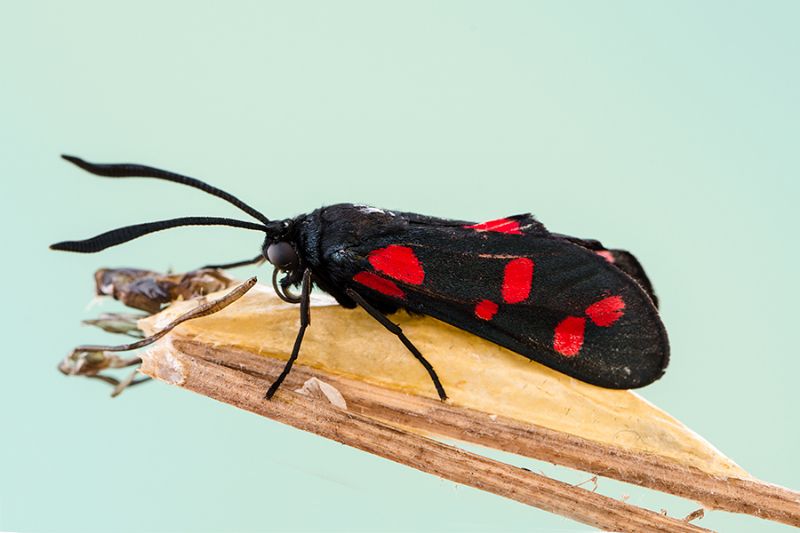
x,y
246,391
425,415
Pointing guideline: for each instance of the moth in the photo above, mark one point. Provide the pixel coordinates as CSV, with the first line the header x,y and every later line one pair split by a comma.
x,y
569,303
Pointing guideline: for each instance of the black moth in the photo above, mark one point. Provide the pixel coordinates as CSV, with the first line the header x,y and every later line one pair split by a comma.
x,y
568,303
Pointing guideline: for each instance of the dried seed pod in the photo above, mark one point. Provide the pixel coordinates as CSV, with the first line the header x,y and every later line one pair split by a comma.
x,y
118,323
150,291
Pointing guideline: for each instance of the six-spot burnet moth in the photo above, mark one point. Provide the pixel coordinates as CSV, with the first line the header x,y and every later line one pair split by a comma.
x,y
568,303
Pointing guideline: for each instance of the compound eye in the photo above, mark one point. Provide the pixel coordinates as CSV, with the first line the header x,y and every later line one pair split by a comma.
x,y
282,255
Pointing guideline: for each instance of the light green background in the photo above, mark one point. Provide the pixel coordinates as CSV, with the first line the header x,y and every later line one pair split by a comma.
x,y
669,128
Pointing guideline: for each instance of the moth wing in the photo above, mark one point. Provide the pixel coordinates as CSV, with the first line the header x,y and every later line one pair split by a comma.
x,y
512,282
622,259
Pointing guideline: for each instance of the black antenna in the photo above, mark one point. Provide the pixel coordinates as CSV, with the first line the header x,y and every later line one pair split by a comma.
x,y
131,170
128,233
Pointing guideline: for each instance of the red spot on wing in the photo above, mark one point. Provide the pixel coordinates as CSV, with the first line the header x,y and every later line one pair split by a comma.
x,y
377,283
606,311
568,337
517,280
398,262
485,309
501,225
605,254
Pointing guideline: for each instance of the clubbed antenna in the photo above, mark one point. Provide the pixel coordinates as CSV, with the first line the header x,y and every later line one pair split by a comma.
x,y
128,233
130,170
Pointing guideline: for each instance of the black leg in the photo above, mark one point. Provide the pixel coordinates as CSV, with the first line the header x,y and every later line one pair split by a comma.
x,y
225,266
305,320
394,328
281,288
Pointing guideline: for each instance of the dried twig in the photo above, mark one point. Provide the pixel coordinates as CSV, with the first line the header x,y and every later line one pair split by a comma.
x,y
749,496
239,387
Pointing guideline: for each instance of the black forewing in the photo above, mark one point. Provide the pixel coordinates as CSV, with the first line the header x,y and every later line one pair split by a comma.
x,y
463,267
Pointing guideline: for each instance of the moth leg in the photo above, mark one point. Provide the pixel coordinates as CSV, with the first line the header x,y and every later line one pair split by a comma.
x,y
394,328
305,321
225,266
